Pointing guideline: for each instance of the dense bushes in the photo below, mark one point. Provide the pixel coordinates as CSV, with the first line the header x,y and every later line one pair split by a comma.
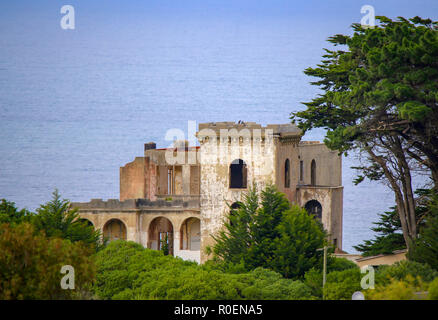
x,y
433,290
128,271
313,277
341,285
30,265
401,270
34,248
402,280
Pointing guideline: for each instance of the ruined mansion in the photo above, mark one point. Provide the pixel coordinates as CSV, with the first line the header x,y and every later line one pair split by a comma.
x,y
181,194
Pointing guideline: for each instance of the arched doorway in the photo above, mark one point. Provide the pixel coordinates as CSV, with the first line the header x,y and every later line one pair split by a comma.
x,y
191,234
314,207
114,229
238,174
313,173
160,233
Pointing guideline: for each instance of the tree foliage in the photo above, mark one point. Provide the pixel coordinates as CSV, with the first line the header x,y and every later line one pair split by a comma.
x,y
389,236
56,219
30,265
270,233
341,285
313,278
399,281
9,213
425,249
381,98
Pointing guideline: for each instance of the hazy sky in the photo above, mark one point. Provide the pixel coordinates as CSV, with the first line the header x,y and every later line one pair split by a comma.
x,y
313,11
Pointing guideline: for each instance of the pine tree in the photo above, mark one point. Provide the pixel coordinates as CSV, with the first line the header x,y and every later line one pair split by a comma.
x,y
425,249
57,219
264,228
235,239
270,233
388,228
389,236
165,245
380,99
295,250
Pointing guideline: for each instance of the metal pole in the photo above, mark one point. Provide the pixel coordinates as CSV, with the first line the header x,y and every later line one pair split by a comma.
x,y
324,269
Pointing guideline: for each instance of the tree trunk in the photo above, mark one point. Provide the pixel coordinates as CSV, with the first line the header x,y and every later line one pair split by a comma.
x,y
404,199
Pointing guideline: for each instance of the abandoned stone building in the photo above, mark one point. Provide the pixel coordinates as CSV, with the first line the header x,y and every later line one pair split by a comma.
x,y
180,195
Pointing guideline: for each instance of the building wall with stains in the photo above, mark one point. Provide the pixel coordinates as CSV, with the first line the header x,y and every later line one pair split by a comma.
x,y
186,182
138,218
287,149
328,164
133,179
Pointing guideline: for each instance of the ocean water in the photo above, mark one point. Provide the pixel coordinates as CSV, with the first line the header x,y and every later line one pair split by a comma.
x,y
75,105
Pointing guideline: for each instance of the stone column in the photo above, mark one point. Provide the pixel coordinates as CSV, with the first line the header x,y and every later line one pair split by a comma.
x,y
176,238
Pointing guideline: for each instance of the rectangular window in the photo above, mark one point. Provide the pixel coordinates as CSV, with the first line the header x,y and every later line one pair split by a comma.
x,y
301,170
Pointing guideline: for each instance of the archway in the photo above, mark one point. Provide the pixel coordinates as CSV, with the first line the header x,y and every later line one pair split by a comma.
x,y
86,222
238,174
191,234
114,229
160,233
314,207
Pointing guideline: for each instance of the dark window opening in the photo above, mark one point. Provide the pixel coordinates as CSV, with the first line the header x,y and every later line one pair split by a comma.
x,y
313,173
238,174
301,170
287,174
314,207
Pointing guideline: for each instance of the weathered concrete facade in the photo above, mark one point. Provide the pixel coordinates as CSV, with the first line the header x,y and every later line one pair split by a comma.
x,y
179,195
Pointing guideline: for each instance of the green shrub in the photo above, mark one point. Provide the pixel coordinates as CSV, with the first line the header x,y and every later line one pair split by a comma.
x,y
313,277
433,290
313,280
395,290
400,270
341,285
339,264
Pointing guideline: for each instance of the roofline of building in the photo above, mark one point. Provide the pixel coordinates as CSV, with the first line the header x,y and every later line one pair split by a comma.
x,y
383,255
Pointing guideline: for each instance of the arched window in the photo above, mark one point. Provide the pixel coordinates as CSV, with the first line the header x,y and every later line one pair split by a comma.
x,y
86,222
238,174
314,207
287,174
313,173
234,207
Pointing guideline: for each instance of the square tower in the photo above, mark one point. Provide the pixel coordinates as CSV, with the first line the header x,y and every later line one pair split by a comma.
x,y
235,156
